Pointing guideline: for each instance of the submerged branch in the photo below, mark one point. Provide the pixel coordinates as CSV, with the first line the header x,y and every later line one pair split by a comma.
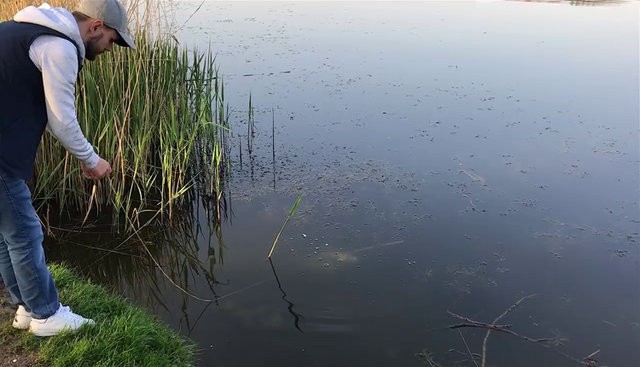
x,y
506,328
505,313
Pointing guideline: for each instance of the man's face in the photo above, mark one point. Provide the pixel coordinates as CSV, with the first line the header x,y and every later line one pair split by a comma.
x,y
100,41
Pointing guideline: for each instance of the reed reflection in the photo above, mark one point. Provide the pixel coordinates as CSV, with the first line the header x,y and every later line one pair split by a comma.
x,y
296,316
163,253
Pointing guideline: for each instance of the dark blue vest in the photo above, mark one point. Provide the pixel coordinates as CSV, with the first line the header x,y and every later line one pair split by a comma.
x,y
23,113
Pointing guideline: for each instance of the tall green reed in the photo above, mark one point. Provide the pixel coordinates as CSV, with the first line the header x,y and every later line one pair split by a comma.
x,y
152,113
157,114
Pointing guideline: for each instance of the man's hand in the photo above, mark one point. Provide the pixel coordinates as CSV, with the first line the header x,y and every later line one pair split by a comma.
x,y
101,170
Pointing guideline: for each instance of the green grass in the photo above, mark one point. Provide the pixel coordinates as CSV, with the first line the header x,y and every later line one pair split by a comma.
x,y
123,335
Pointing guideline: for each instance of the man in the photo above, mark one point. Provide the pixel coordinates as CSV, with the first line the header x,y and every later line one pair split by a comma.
x,y
41,52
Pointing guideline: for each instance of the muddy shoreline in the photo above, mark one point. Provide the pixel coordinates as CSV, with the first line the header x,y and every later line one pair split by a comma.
x,y
10,350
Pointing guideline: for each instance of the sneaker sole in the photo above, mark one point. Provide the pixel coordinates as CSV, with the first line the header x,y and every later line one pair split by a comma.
x,y
20,327
47,333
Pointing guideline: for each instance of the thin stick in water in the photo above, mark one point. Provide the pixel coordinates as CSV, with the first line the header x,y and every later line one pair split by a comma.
x,y
468,350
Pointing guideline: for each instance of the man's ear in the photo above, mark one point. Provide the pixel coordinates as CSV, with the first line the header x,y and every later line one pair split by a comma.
x,y
95,25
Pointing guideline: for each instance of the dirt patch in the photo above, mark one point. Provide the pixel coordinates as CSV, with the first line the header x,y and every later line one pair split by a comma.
x,y
11,353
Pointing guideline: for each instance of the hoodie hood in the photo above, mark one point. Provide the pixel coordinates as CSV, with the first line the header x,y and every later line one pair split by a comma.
x,y
58,19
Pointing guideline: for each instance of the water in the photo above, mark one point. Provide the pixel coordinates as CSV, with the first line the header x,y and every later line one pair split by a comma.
x,y
452,157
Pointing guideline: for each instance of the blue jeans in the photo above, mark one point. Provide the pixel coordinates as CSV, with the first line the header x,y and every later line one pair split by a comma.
x,y
22,264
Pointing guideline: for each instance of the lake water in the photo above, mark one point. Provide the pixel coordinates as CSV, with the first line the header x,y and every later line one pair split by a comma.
x,y
452,156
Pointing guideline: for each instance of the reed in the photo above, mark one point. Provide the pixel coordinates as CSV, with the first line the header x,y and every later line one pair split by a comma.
x,y
292,212
157,114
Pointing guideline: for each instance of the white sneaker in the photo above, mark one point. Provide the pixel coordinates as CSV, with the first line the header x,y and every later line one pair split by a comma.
x,y
22,319
63,319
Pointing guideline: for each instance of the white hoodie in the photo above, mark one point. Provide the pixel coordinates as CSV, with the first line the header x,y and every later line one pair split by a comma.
x,y
57,59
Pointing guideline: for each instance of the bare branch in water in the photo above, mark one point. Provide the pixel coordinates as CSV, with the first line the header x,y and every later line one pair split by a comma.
x,y
588,361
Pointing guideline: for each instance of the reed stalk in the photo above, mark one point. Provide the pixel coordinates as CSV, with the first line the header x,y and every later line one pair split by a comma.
x,y
292,212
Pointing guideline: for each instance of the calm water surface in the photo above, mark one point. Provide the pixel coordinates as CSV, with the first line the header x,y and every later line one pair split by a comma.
x,y
452,157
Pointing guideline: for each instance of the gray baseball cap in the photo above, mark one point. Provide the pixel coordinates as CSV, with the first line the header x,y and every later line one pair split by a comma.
x,y
112,13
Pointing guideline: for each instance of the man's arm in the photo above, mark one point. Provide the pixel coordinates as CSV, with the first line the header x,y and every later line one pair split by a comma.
x,y
57,60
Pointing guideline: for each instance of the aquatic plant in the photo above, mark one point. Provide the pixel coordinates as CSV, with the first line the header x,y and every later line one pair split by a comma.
x,y
156,114
292,212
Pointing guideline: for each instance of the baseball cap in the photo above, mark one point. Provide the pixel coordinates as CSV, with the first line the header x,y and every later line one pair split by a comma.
x,y
112,13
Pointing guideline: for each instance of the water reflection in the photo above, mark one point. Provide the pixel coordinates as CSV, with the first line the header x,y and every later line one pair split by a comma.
x,y
163,253
296,316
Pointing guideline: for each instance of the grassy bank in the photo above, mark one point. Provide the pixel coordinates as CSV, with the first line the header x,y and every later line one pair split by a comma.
x,y
124,335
